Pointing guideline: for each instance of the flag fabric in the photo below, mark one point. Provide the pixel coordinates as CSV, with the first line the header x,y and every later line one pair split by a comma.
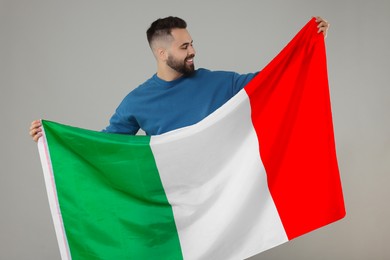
x,y
258,172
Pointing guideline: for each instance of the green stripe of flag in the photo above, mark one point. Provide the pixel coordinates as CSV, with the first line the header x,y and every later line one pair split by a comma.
x,y
110,194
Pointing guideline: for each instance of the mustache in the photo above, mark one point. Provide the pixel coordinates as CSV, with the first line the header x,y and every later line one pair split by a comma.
x,y
190,57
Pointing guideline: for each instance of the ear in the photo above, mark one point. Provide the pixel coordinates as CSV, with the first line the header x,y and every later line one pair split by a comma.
x,y
161,54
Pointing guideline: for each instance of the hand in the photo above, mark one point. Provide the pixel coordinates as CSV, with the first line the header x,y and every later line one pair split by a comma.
x,y
322,25
36,130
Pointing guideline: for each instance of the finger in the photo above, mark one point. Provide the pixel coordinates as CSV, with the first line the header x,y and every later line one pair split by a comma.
x,y
323,27
37,136
35,131
320,19
35,124
323,31
322,24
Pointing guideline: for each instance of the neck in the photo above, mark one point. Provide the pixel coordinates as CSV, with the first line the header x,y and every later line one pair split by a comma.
x,y
168,76
166,73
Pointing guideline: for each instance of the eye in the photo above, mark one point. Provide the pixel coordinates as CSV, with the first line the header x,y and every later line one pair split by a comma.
x,y
186,45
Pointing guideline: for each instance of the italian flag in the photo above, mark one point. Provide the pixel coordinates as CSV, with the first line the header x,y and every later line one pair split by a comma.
x,y
258,172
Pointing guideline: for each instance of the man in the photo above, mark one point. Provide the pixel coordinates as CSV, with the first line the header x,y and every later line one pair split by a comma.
x,y
177,95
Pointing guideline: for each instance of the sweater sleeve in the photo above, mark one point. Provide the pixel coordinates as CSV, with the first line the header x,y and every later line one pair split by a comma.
x,y
122,121
119,125
241,80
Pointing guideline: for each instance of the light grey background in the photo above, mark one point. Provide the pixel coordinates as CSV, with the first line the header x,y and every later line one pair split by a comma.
x,y
73,62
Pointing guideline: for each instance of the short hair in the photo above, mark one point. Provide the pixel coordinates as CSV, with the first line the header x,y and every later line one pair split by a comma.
x,y
163,27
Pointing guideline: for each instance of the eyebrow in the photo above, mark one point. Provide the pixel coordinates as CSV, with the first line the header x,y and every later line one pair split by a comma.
x,y
186,44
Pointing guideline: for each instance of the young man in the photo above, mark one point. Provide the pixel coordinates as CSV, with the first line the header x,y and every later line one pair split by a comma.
x,y
177,95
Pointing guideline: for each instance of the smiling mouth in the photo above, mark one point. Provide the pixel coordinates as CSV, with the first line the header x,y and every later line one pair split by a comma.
x,y
190,59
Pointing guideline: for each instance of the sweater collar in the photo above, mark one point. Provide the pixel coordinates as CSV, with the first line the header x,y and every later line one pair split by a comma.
x,y
171,83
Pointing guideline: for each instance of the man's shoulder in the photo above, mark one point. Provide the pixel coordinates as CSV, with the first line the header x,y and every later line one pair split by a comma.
x,y
214,73
143,86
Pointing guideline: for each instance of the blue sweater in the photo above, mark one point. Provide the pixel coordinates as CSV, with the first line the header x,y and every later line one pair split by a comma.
x,y
159,106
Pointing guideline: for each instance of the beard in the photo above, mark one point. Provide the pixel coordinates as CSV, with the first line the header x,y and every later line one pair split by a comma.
x,y
181,66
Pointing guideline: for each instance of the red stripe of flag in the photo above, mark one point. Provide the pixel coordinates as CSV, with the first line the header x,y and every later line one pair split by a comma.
x,y
293,122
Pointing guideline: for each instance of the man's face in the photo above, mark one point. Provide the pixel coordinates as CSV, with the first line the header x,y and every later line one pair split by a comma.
x,y
181,52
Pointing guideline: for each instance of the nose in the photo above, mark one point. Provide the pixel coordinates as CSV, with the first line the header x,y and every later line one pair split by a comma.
x,y
191,50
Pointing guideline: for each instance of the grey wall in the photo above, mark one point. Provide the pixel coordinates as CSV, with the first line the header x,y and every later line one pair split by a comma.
x,y
73,62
